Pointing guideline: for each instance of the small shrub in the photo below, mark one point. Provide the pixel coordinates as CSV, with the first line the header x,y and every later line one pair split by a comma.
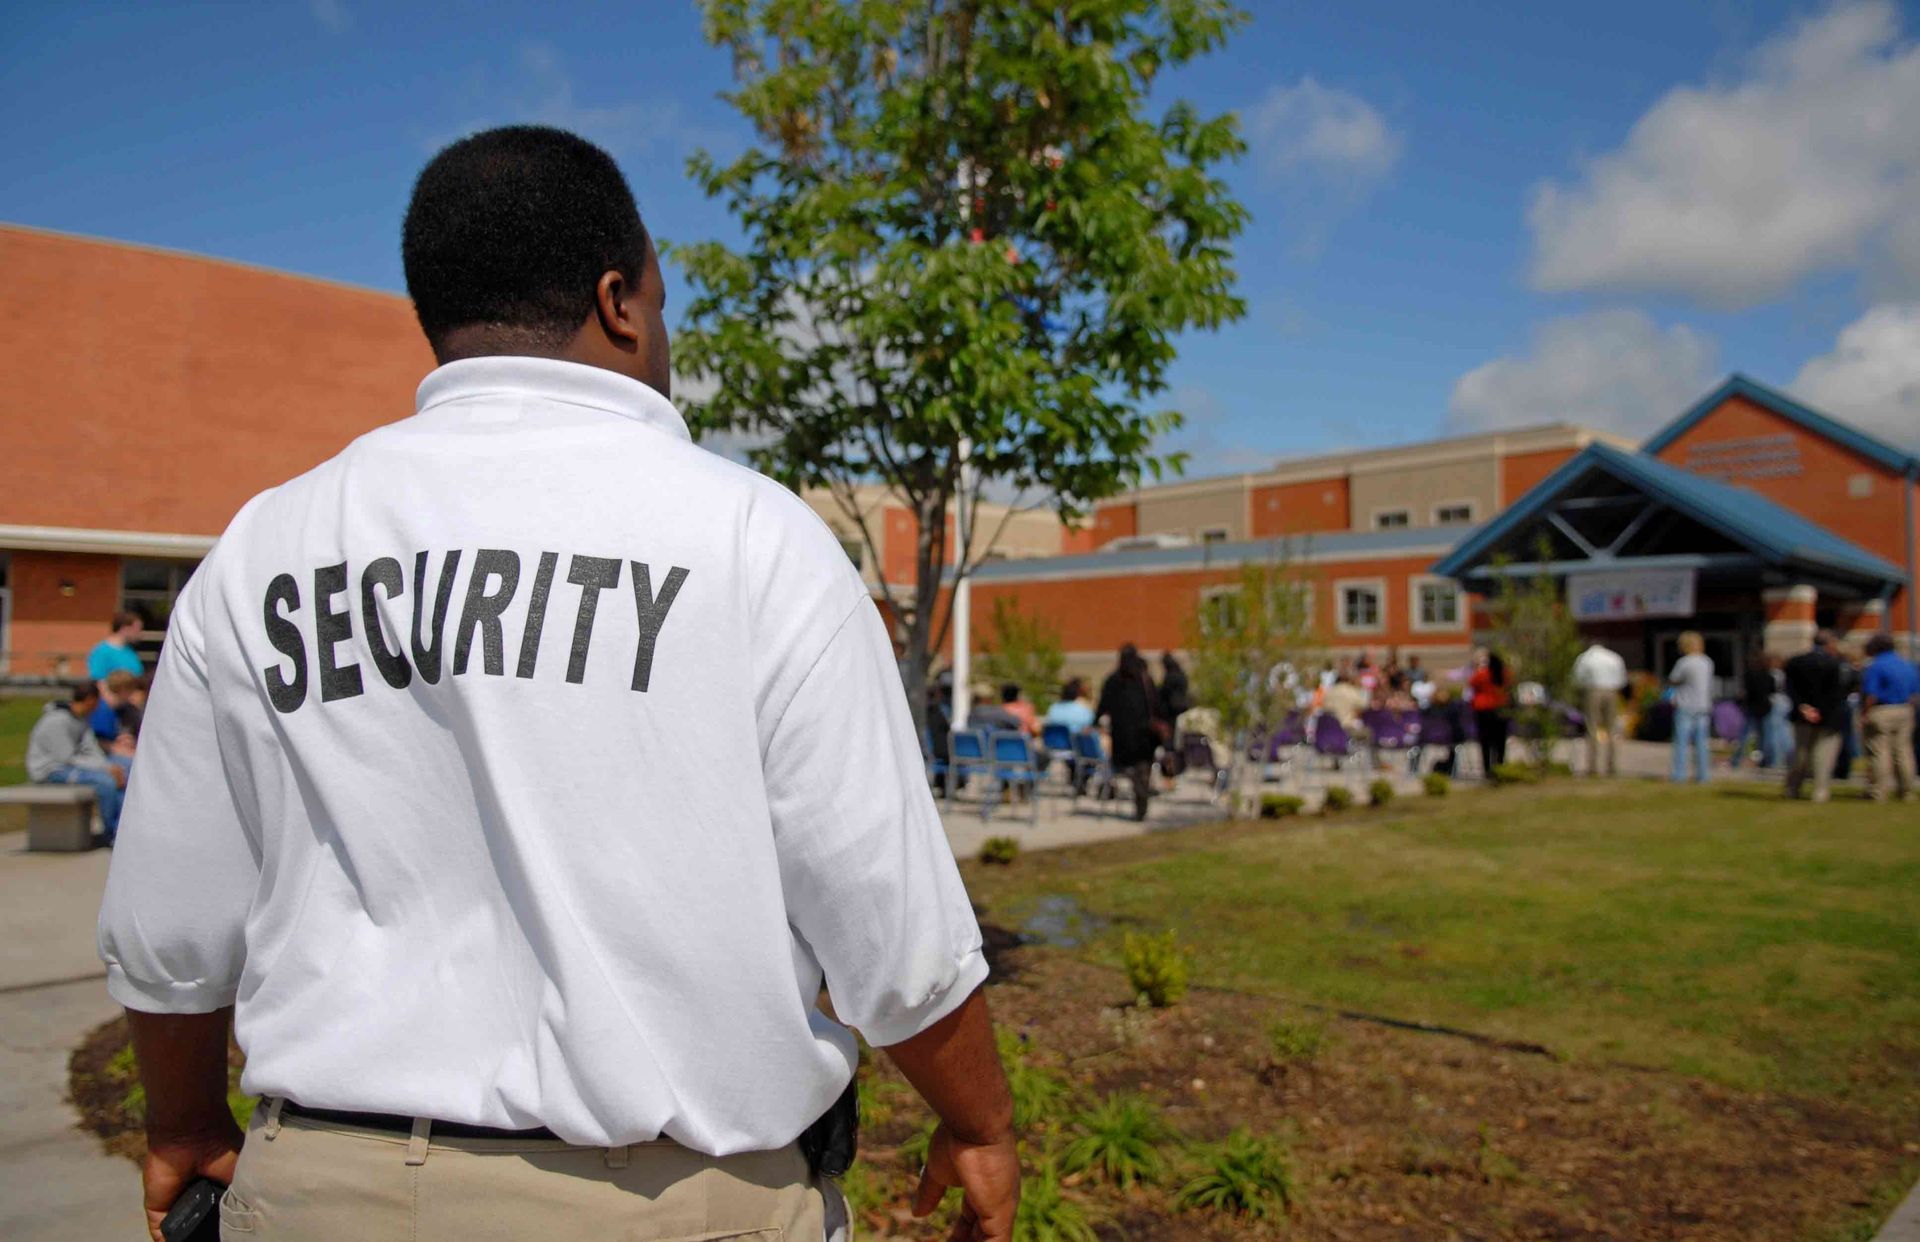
x,y
1156,968
241,1105
1243,1176
1120,1142
1338,798
1046,1213
1380,792
1279,806
1296,1043
1557,768
1515,774
1000,850
1436,784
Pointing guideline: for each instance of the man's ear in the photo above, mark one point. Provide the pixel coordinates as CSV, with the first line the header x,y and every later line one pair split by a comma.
x,y
613,297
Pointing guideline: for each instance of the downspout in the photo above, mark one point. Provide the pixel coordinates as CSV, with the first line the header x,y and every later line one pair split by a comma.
x,y
1913,580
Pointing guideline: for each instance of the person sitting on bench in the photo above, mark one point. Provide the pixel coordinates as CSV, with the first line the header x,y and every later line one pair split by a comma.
x,y
62,750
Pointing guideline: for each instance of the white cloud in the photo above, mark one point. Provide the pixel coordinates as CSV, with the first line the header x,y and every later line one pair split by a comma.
x,y
1734,192
1322,130
1325,148
1871,378
1208,437
1612,369
331,14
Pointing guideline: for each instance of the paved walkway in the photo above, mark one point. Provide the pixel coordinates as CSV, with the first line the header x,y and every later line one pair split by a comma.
x,y
55,1184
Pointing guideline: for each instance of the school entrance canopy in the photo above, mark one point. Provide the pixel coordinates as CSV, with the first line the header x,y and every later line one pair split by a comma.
x,y
1638,540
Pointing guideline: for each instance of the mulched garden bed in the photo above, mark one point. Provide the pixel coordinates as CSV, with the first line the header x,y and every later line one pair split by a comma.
x,y
1390,1134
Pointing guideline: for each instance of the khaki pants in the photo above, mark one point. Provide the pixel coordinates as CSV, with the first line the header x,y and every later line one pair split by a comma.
x,y
1603,729
1888,732
1814,750
314,1181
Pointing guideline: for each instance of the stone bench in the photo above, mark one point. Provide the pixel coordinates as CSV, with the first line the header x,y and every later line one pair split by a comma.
x,y
59,817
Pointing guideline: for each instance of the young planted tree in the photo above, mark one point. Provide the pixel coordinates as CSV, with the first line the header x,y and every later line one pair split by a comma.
x,y
1253,643
1535,631
967,236
1025,649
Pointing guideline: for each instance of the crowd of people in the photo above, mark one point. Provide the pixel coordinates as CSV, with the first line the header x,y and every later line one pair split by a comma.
x,y
89,736
1810,716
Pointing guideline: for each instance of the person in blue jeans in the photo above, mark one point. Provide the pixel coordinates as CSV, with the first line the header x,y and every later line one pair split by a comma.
x,y
1692,682
62,750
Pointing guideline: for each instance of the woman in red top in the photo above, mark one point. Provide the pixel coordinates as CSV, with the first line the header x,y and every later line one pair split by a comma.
x,y
1489,686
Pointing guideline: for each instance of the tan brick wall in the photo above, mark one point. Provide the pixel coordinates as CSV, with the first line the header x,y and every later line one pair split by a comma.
x,y
1419,488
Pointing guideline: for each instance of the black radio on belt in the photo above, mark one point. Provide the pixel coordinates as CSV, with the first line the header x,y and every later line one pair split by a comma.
x,y
829,1143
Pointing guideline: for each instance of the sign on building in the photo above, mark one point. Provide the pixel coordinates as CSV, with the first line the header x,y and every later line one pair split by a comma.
x,y
1622,595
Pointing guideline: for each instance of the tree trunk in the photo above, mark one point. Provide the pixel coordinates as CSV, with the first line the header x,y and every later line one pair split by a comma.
x,y
917,658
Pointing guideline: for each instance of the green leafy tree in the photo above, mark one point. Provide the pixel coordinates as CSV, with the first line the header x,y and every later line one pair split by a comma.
x,y
1535,631
1253,643
962,224
1025,649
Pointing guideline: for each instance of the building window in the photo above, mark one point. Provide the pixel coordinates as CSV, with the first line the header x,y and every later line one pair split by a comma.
x,y
1214,534
6,614
1362,605
1220,609
856,551
1390,519
151,587
1459,513
1436,604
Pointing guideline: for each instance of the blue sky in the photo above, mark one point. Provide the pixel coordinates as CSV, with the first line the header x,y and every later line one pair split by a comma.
x,y
1464,217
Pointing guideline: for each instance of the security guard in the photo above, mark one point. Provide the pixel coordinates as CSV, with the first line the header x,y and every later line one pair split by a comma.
x,y
515,779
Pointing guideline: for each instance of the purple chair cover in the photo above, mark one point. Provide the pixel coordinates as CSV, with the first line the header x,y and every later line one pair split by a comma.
x,y
1328,737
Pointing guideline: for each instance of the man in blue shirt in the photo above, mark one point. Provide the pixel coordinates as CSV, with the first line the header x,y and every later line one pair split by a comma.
x,y
116,650
1887,691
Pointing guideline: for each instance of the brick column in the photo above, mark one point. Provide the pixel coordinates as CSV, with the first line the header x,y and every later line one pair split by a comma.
x,y
1859,622
1790,623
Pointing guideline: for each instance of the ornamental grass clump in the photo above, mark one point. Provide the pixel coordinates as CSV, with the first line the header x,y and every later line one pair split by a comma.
x,y
1047,1213
1436,784
1119,1141
1156,968
1338,798
1380,792
1243,1176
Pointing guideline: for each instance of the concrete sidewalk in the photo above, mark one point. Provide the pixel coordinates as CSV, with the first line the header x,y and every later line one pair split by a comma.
x,y
55,1183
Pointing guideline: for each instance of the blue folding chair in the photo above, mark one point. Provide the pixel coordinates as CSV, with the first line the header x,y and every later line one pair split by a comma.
x,y
937,768
1090,762
1013,768
967,754
1056,740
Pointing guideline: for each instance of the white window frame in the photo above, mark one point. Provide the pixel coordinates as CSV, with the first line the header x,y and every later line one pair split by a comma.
x,y
1340,588
1471,505
1414,622
1373,519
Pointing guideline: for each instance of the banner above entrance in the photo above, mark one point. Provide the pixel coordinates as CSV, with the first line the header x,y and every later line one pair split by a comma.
x,y
1619,595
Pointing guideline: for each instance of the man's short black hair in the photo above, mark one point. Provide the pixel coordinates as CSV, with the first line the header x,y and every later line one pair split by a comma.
x,y
512,229
82,692
1880,644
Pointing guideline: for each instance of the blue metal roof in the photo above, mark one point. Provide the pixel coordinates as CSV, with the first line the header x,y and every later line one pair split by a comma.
x,y
1408,541
1776,535
1738,385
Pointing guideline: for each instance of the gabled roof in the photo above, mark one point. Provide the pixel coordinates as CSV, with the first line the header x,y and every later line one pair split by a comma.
x,y
1776,535
1786,407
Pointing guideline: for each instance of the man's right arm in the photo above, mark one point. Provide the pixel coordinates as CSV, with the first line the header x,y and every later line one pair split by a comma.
x,y
955,1067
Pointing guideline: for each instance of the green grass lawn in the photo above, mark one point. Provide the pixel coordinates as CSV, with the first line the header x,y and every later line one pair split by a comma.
x,y
1723,933
16,721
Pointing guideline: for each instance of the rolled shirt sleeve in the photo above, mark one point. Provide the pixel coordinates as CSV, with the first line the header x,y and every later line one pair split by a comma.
x,y
185,866
869,879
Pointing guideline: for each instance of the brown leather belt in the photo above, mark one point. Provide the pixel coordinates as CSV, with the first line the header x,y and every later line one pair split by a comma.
x,y
404,1125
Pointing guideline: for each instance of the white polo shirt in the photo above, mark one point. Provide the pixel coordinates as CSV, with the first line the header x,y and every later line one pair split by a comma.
x,y
527,765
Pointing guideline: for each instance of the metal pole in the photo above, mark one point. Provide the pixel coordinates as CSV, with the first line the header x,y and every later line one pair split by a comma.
x,y
962,594
1911,482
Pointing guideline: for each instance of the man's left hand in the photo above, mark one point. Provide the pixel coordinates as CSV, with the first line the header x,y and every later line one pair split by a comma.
x,y
173,1164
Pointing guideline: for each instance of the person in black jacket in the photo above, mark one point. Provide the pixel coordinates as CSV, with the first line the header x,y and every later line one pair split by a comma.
x,y
1816,684
1756,706
1131,707
1175,697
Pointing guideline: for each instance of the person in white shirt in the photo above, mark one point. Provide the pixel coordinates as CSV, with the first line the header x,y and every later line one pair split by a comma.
x,y
521,774
1601,675
1692,682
